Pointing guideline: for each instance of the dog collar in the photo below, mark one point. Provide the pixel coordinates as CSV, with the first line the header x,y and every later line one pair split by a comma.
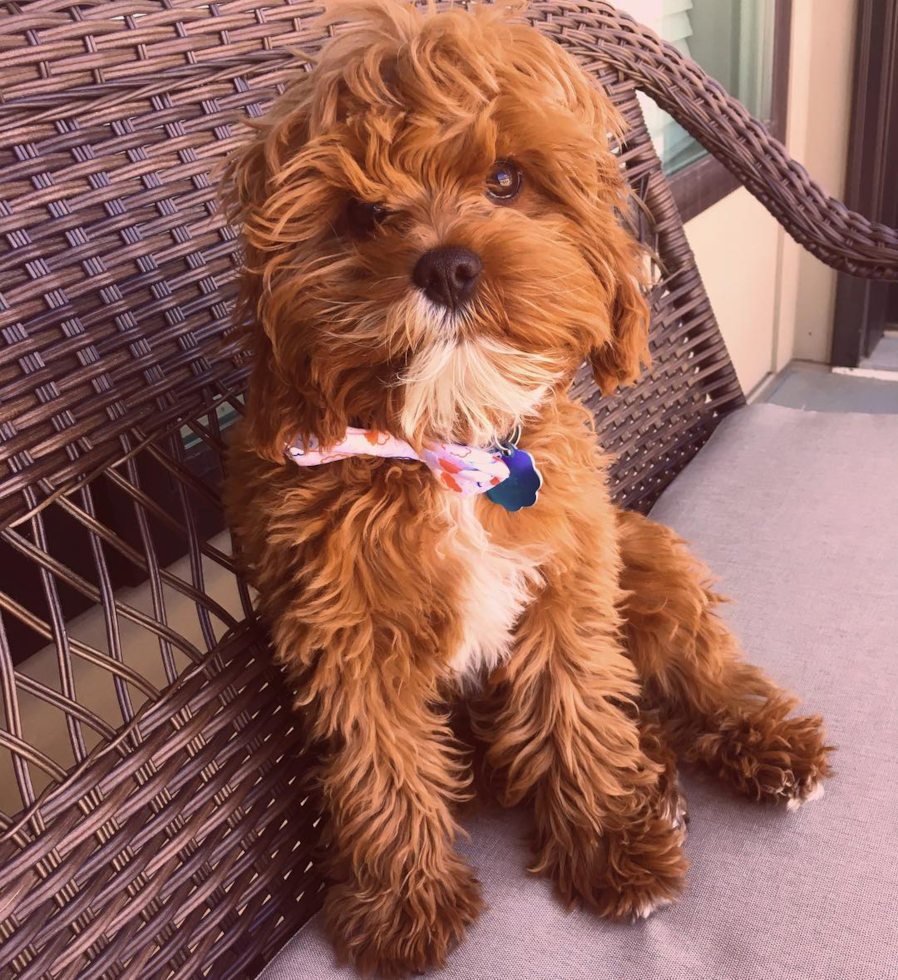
x,y
506,474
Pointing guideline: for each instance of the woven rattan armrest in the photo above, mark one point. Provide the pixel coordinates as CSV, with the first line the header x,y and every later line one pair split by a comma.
x,y
841,238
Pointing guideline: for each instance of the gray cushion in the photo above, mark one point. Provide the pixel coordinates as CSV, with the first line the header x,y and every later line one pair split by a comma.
x,y
797,513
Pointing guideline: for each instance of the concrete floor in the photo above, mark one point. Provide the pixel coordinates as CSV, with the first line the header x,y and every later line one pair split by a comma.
x,y
872,388
885,354
814,388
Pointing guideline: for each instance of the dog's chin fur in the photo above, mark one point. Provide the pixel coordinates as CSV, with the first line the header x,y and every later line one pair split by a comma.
x,y
473,390
381,591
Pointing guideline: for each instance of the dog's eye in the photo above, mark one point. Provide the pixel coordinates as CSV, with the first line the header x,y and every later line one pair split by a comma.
x,y
364,217
504,181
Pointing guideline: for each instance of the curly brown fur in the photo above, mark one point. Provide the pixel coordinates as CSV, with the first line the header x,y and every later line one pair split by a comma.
x,y
387,596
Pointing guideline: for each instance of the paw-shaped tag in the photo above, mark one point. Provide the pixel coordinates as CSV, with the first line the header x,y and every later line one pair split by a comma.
x,y
521,489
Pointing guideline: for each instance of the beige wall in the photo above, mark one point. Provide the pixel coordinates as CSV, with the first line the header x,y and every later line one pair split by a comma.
x,y
775,302
736,247
817,135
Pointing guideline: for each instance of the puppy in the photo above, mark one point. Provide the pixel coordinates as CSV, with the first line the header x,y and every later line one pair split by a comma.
x,y
432,248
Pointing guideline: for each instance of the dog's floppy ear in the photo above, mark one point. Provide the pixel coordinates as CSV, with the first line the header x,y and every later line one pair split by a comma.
x,y
251,178
620,360
613,253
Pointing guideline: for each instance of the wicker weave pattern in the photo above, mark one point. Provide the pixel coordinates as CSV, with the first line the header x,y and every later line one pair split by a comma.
x,y
175,839
116,267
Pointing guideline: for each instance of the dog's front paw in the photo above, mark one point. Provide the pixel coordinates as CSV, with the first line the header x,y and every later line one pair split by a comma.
x,y
770,757
628,872
394,932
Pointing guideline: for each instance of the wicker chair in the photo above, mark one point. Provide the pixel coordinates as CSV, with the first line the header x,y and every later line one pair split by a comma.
x,y
173,835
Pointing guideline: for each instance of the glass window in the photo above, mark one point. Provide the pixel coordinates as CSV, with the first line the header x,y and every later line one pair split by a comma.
x,y
731,39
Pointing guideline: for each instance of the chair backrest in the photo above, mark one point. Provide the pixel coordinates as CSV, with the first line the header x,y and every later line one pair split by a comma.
x,y
153,834
118,271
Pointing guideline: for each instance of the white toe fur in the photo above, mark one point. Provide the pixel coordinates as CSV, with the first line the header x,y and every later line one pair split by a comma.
x,y
675,811
816,791
649,908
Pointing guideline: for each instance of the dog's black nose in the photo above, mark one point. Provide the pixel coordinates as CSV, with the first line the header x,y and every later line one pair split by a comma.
x,y
448,275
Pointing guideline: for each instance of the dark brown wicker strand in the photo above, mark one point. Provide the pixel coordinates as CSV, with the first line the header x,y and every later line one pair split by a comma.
x,y
176,837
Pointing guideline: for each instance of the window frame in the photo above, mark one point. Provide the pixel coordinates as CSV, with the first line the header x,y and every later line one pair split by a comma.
x,y
703,183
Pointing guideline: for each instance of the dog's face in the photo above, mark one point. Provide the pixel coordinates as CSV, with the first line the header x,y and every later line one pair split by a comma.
x,y
431,239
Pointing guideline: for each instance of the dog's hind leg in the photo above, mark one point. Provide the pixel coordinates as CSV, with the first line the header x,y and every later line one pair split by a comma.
x,y
717,709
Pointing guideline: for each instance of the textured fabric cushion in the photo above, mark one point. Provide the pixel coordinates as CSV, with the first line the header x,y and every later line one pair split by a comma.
x,y
797,513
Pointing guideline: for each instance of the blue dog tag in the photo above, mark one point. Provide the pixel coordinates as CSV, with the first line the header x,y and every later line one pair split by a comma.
x,y
522,486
